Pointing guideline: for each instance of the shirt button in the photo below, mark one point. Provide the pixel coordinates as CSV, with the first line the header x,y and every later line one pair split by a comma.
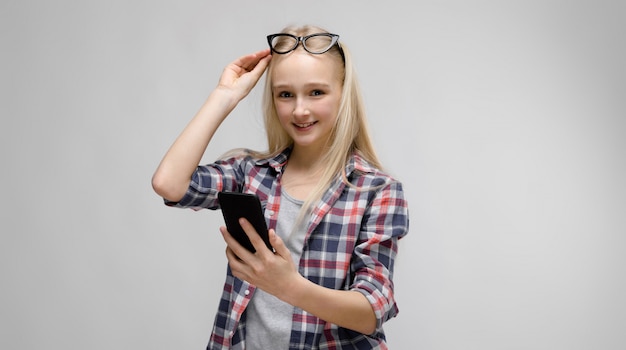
x,y
270,212
247,292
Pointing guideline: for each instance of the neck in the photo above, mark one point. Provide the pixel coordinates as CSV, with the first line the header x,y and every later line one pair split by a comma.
x,y
305,159
302,173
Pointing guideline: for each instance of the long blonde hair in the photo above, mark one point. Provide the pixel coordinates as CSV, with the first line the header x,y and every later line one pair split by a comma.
x,y
350,133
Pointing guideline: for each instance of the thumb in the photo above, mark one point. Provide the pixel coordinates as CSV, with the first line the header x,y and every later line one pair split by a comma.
x,y
278,244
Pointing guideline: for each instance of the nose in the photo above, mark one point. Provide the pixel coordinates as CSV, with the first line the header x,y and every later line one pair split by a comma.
x,y
301,108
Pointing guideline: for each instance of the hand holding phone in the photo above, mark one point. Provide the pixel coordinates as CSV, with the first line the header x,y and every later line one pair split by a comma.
x,y
236,205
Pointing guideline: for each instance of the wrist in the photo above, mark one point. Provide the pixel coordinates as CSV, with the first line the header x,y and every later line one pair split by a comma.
x,y
295,291
226,99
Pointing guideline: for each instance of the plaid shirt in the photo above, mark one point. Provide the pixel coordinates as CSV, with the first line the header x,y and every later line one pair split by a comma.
x,y
351,244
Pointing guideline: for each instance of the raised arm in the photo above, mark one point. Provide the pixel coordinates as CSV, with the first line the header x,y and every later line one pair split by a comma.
x,y
171,178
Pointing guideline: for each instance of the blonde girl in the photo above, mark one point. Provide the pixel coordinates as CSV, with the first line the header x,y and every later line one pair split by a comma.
x,y
335,217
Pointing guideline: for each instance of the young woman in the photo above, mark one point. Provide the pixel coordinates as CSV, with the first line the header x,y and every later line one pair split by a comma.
x,y
335,218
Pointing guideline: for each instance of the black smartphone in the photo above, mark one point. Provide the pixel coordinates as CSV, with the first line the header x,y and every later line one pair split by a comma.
x,y
236,205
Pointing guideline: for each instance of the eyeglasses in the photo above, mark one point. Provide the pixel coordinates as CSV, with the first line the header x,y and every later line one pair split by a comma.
x,y
318,43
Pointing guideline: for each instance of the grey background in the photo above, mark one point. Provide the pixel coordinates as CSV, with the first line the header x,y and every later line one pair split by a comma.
x,y
504,119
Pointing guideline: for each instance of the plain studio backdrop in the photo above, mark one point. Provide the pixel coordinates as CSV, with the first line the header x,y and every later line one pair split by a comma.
x,y
505,120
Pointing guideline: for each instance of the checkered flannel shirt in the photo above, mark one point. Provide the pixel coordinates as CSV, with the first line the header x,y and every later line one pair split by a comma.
x,y
351,244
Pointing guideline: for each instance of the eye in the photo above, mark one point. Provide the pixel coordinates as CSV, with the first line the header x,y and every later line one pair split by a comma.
x,y
284,94
317,93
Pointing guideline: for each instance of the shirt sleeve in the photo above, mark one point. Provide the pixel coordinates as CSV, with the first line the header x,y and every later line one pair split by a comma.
x,y
208,180
386,221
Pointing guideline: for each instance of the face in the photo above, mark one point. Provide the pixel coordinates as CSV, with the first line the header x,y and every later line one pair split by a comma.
x,y
307,91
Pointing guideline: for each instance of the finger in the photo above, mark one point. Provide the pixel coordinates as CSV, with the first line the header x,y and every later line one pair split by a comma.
x,y
262,53
250,61
238,250
278,245
237,266
260,67
233,259
255,238
256,56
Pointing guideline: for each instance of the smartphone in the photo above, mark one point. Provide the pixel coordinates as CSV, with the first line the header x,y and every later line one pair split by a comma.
x,y
236,205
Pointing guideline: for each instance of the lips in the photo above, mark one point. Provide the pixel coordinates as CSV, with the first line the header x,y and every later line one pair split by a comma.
x,y
304,125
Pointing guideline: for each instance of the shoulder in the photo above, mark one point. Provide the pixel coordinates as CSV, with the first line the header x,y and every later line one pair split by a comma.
x,y
385,198
255,158
359,170
383,189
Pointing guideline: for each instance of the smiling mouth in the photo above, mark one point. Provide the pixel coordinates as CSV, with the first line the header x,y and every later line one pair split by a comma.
x,y
304,125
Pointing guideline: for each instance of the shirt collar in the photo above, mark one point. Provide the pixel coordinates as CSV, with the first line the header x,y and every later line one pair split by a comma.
x,y
355,162
277,162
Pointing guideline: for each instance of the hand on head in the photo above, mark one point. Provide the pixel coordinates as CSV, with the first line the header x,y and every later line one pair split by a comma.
x,y
241,75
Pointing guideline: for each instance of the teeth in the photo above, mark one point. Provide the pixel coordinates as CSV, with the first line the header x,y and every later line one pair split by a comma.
x,y
304,125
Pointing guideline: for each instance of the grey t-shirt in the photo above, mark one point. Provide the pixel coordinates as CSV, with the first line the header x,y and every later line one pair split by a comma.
x,y
268,319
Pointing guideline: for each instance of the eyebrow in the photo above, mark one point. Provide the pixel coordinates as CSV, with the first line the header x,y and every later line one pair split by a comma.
x,y
308,85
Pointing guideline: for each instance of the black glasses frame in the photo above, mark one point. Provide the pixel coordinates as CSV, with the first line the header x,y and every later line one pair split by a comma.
x,y
302,39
